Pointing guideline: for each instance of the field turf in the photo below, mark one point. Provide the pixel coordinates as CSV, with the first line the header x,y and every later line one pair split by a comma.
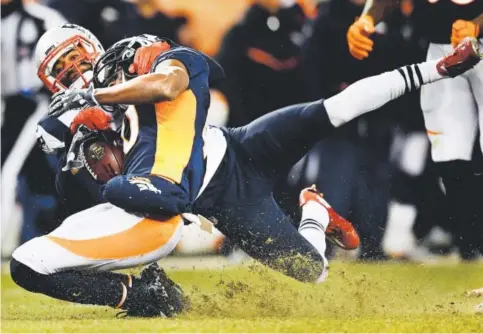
x,y
358,297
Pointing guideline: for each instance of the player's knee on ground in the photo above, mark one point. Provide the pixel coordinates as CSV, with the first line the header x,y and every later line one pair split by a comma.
x,y
307,268
24,276
150,195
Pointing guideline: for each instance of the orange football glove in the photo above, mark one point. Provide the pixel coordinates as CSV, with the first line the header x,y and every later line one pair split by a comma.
x,y
462,29
145,57
93,117
358,37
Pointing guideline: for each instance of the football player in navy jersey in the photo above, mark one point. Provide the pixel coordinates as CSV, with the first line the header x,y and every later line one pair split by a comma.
x,y
228,173
175,165
452,109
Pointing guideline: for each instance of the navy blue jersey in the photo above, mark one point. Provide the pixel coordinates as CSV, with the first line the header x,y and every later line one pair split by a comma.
x,y
51,132
77,191
165,139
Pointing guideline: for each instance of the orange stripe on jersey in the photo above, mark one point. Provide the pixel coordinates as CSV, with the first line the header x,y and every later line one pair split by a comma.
x,y
146,236
175,136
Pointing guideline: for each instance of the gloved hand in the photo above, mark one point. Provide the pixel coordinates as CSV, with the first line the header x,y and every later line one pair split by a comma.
x,y
72,99
358,37
93,118
145,57
462,29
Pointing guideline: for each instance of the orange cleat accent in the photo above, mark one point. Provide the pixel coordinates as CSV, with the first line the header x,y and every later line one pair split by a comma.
x,y
339,231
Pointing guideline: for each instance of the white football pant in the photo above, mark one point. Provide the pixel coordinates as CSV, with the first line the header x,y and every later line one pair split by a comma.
x,y
103,237
453,109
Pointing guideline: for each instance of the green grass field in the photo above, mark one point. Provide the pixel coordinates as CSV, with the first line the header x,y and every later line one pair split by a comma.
x,y
390,297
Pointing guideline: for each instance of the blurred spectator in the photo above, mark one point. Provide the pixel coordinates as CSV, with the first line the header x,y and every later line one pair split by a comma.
x,y
112,20
208,20
261,58
206,34
24,103
329,66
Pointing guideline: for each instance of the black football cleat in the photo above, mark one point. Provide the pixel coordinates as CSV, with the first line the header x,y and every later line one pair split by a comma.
x,y
156,296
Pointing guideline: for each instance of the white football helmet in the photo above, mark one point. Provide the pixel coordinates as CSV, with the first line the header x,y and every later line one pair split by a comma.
x,y
57,42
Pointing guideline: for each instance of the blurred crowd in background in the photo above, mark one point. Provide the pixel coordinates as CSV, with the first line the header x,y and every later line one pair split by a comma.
x,y
376,171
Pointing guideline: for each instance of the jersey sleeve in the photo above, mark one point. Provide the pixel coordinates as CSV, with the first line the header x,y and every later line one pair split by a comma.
x,y
51,131
194,61
50,134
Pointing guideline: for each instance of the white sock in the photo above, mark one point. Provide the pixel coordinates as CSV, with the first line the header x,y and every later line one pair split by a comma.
x,y
373,92
315,219
314,211
427,70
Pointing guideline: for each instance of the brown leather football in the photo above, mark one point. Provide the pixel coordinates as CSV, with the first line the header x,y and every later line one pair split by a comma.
x,y
104,160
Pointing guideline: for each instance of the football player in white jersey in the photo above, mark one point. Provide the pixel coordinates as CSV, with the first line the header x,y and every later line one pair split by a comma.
x,y
74,262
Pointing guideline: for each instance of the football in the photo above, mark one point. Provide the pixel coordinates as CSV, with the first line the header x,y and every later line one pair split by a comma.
x,y
104,160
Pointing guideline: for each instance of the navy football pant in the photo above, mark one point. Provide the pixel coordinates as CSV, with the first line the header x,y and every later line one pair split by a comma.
x,y
245,209
278,140
247,212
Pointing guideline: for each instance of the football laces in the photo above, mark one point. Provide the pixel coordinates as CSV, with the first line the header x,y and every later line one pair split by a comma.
x,y
83,159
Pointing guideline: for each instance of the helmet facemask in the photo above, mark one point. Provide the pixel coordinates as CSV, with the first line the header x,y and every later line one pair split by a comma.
x,y
78,74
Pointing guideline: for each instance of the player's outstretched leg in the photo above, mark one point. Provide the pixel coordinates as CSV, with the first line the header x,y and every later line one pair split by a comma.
x,y
371,93
279,139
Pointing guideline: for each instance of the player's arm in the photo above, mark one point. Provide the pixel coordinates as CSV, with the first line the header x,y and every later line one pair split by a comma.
x,y
166,84
463,28
360,45
378,9
170,78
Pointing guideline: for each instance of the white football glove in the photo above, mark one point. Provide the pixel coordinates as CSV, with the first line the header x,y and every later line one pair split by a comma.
x,y
72,99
